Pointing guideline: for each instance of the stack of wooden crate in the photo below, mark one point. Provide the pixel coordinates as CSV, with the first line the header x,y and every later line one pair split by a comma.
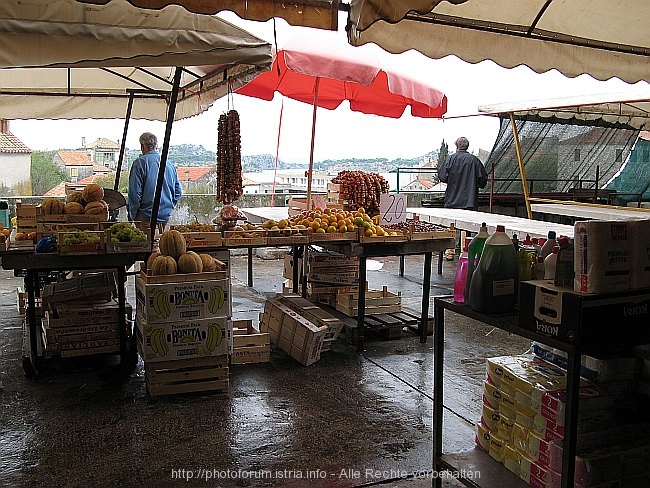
x,y
80,316
184,330
249,344
328,274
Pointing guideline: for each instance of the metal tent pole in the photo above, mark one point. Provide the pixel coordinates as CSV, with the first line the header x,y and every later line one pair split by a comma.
x,y
120,159
165,150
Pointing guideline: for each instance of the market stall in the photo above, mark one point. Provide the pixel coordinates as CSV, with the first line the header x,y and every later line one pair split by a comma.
x,y
63,59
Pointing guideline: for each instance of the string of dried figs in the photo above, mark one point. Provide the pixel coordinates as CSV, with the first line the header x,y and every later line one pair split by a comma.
x,y
229,170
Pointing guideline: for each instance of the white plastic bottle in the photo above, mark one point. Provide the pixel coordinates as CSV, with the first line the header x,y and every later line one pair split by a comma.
x,y
550,243
549,264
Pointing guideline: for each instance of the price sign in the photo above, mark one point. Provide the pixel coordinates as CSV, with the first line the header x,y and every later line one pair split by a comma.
x,y
392,208
318,201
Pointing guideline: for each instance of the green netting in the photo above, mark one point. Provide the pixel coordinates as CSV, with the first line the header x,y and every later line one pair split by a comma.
x,y
558,155
633,181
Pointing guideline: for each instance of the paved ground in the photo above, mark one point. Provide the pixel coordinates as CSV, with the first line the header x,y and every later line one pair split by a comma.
x,y
349,420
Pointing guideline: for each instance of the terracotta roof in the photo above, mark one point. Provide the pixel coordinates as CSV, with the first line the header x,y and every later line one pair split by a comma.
x,y
98,168
75,158
57,191
428,184
103,143
193,173
596,135
9,143
645,135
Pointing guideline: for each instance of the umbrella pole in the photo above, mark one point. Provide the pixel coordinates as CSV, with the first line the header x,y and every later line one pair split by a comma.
x,y
120,159
311,152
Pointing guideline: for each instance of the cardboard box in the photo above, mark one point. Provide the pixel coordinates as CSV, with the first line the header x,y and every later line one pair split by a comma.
x,y
184,339
640,256
602,256
190,300
571,316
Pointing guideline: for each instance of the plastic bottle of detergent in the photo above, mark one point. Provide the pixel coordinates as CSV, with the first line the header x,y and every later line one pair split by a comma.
x,y
550,243
549,264
461,273
493,289
474,254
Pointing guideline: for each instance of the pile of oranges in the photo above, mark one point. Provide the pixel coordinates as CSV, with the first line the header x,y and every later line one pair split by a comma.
x,y
331,220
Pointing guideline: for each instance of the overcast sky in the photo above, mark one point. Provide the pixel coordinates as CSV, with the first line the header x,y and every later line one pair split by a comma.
x,y
342,133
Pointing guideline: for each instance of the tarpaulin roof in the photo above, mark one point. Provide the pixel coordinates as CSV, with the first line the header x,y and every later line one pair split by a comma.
x,y
321,14
65,59
630,109
604,38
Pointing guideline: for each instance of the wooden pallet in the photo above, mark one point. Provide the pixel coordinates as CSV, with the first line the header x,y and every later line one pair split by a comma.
x,y
187,375
385,326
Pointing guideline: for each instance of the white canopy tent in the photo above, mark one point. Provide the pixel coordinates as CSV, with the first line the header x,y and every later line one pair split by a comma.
x,y
65,59
604,38
630,109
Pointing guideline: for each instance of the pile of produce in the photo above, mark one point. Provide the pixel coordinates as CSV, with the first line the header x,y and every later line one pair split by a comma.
x,y
89,201
126,232
173,257
229,172
76,236
418,226
362,189
329,221
195,227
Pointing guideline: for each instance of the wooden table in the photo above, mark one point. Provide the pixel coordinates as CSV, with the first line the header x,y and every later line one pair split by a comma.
x,y
590,212
33,263
470,220
370,250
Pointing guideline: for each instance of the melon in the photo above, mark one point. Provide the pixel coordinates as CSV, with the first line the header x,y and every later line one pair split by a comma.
x,y
209,264
73,208
190,262
151,259
163,265
52,206
92,193
75,196
172,243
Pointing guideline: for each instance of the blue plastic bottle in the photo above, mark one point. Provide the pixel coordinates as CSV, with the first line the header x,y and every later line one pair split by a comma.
x,y
461,274
493,289
474,254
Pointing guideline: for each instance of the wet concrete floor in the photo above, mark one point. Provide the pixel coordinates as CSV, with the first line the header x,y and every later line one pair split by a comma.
x,y
349,420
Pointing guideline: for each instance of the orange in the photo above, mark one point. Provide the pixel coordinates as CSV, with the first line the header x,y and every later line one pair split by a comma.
x,y
331,229
320,230
368,233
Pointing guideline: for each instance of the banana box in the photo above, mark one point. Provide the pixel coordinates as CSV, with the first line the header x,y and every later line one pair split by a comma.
x,y
190,300
184,339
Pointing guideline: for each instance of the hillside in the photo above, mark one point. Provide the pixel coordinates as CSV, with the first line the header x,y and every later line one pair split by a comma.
x,y
191,155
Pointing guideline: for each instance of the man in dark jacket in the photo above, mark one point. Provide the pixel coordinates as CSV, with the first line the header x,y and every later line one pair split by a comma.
x,y
464,174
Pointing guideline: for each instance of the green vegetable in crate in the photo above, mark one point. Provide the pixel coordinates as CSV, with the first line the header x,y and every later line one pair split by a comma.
x,y
80,237
126,232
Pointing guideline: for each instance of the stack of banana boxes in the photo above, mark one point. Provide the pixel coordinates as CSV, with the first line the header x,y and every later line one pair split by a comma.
x,y
184,330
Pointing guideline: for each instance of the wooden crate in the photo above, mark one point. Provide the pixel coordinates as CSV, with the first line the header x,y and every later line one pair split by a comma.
x,y
187,375
244,238
400,237
81,249
377,302
249,345
150,279
202,240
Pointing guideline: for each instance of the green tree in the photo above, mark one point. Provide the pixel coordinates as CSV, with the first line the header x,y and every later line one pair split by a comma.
x,y
443,152
45,173
108,181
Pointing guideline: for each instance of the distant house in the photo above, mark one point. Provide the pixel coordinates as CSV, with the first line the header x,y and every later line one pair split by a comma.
x,y
420,184
192,177
15,161
103,151
76,164
60,189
